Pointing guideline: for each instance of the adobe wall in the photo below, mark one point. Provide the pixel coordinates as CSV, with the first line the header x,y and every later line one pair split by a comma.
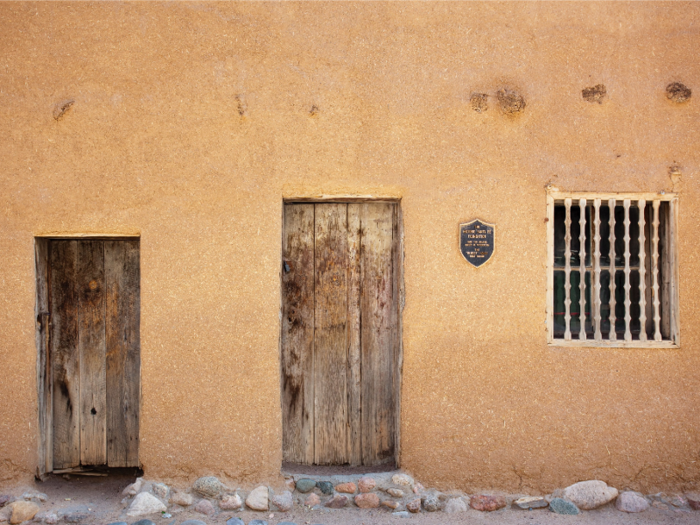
x,y
192,123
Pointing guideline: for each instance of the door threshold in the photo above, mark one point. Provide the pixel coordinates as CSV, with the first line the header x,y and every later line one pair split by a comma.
x,y
294,469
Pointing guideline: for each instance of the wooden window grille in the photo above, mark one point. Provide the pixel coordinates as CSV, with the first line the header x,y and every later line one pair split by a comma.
x,y
612,270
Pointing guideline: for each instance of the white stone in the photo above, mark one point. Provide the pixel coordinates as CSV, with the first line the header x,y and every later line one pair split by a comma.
x,y
181,498
587,495
402,479
258,498
230,502
631,502
161,491
397,493
145,503
455,505
134,488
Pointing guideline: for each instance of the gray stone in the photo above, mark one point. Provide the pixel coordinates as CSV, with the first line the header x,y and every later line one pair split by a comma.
x,y
35,496
258,498
145,503
161,491
286,523
209,486
51,518
205,507
397,493
230,502
530,502
430,502
325,486
118,523
283,501
5,499
305,485
200,522
631,502
455,505
401,514
76,517
233,521
257,522
588,495
561,506
181,498
143,522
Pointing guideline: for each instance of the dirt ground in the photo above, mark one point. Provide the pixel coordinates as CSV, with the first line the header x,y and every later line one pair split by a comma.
x,y
103,497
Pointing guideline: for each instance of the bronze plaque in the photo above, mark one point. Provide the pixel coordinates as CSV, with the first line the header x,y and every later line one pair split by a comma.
x,y
477,241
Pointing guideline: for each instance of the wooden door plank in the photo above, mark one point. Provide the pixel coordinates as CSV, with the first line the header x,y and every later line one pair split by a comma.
x,y
378,320
45,408
123,358
353,334
298,333
91,345
64,356
330,352
397,307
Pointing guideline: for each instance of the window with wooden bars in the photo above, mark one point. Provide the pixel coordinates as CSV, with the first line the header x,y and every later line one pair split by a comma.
x,y
612,275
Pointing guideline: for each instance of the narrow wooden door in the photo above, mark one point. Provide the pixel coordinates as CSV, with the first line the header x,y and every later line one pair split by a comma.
x,y
340,336
94,352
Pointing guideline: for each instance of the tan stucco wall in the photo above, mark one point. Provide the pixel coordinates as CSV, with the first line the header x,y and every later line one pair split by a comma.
x,y
155,145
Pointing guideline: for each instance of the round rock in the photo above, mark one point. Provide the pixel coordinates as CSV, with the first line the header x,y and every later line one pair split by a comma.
x,y
367,501
283,501
230,502
312,500
233,521
258,498
366,484
257,522
588,495
305,485
182,498
196,522
403,480
145,503
143,522
414,505
209,486
205,507
455,505
530,502
346,488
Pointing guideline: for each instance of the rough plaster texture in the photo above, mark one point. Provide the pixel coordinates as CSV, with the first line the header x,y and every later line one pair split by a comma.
x,y
191,124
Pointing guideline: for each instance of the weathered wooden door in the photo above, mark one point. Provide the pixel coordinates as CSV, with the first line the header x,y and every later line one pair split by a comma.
x,y
340,333
93,365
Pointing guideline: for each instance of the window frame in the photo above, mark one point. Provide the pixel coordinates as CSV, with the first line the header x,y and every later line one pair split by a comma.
x,y
555,196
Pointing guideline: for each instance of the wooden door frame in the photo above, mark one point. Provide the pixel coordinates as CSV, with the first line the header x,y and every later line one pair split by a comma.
x,y
43,363
398,258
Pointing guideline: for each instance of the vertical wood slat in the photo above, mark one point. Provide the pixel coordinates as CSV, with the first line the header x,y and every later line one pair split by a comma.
x,y
123,359
64,356
92,348
297,338
354,330
567,271
628,302
45,395
642,272
582,269
330,352
377,303
672,257
397,306
612,203
655,271
666,251
596,272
